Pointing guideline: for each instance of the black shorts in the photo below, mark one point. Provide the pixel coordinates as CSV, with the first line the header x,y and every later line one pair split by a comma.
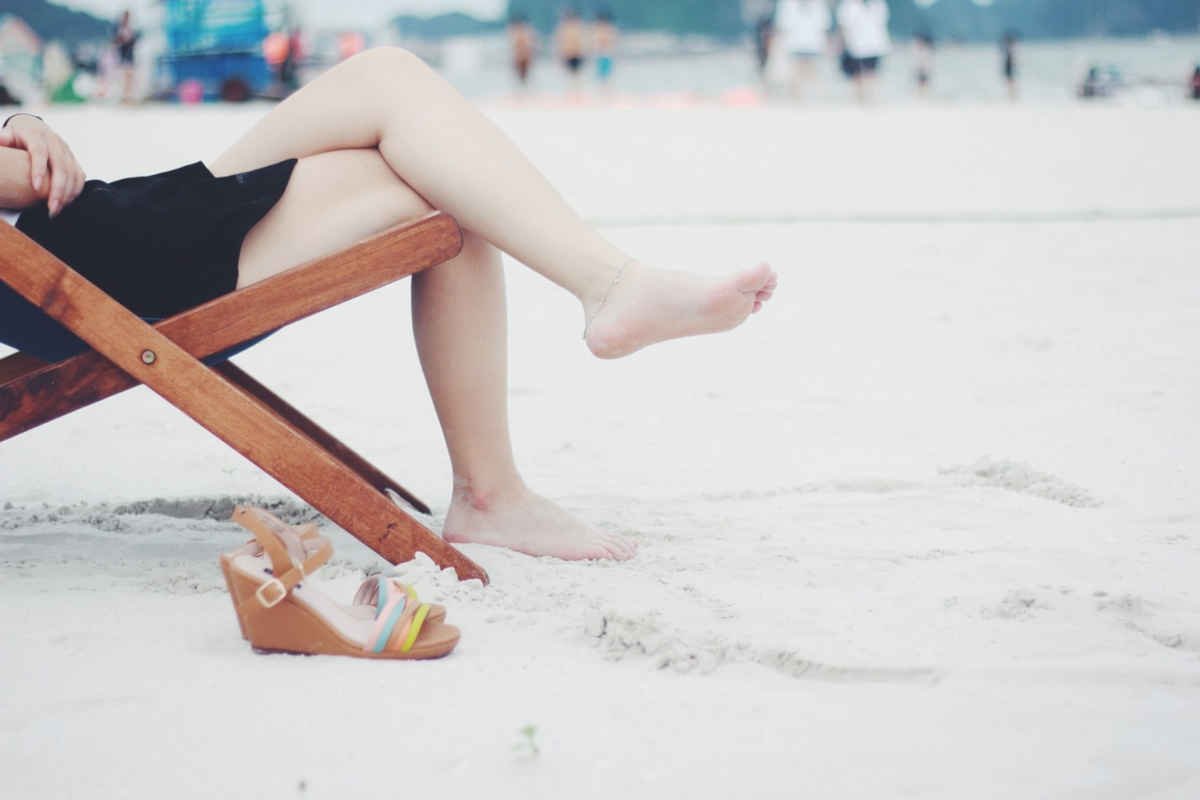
x,y
574,63
867,65
159,245
847,63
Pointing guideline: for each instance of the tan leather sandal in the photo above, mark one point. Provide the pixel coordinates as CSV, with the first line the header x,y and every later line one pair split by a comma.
x,y
278,613
303,541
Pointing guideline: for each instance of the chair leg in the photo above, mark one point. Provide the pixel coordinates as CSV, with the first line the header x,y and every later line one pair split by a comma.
x,y
323,438
18,365
46,392
225,410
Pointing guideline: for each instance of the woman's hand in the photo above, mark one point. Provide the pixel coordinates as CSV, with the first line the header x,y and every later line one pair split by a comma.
x,y
53,171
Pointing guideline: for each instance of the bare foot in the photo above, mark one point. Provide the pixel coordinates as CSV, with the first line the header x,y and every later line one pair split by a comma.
x,y
649,305
530,524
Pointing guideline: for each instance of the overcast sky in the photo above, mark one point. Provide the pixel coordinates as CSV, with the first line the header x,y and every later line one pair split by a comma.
x,y
329,12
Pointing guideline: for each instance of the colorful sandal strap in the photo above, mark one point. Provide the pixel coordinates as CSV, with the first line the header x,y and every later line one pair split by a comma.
x,y
409,637
376,587
399,615
386,619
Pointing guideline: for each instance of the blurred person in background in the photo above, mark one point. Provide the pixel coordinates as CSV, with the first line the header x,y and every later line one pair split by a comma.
x,y
289,69
285,50
1196,83
106,72
522,38
864,27
845,60
124,42
764,35
1008,63
803,30
923,62
275,52
604,43
349,44
571,40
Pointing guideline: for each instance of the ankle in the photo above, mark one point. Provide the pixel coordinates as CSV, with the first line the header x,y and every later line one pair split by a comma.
x,y
599,286
486,495
596,309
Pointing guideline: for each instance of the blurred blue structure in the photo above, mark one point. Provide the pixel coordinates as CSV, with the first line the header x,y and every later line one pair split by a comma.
x,y
218,43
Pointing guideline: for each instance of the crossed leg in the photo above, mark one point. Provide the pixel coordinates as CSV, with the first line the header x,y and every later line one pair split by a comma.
x,y
451,155
381,139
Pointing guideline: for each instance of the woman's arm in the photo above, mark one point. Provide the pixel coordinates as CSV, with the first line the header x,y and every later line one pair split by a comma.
x,y
16,185
36,165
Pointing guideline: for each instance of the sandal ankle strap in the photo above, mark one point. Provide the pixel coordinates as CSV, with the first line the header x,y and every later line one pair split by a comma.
x,y
287,571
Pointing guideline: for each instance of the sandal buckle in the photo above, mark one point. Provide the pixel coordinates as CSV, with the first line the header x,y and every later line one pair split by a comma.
x,y
271,602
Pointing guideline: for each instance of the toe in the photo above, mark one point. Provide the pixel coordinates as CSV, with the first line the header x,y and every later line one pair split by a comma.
x,y
617,549
598,552
612,555
755,279
610,549
622,548
772,282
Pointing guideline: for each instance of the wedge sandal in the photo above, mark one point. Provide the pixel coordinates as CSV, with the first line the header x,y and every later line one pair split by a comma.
x,y
303,541
278,612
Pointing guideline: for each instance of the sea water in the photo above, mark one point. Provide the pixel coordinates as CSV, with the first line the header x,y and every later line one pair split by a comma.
x,y
1157,69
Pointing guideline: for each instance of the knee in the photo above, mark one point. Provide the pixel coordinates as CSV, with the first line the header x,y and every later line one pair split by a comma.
x,y
478,250
370,172
477,264
361,178
401,204
392,61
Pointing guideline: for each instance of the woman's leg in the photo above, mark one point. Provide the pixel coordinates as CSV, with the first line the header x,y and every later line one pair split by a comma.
x,y
460,326
460,322
442,147
127,83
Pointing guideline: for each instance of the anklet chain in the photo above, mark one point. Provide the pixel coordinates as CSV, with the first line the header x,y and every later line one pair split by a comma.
x,y
604,300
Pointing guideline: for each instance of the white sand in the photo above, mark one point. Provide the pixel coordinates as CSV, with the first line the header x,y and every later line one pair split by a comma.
x,y
928,528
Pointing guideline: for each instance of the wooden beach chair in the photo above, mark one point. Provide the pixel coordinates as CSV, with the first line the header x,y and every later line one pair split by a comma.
x,y
167,357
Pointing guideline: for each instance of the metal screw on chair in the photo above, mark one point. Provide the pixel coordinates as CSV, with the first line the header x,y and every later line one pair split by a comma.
x,y
148,357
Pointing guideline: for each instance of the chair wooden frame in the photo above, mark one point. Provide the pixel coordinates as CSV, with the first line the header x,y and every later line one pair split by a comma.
x,y
224,399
